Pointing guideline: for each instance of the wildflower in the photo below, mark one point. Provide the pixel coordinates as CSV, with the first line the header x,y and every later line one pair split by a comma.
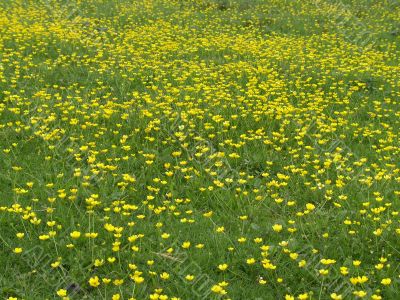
x,y
55,264
94,281
250,261
118,282
302,263
277,227
186,245
218,289
323,272
344,270
356,263
220,229
44,237
189,277
75,234
116,297
17,250
303,296
164,276
106,280
62,293
360,294
310,206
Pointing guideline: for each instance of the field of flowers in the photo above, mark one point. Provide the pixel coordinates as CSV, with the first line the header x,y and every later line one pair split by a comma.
x,y
199,149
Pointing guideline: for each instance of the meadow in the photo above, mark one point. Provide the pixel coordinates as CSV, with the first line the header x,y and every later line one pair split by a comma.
x,y
199,149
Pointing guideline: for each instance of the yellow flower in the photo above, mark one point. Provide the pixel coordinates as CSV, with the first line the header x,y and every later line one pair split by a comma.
x,y
62,293
358,279
335,296
356,263
44,237
111,259
106,280
137,279
164,276
186,245
91,235
360,294
242,239
220,229
55,264
118,282
75,234
150,262
303,296
17,250
258,240
222,267
386,281
344,270
218,289
189,277
116,297
99,262
323,272
250,261
277,227
310,206
327,261
94,281
165,235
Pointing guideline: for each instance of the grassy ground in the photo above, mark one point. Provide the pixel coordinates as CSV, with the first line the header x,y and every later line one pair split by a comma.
x,y
209,149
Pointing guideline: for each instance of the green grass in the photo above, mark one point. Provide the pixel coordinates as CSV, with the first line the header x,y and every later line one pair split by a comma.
x,y
148,115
